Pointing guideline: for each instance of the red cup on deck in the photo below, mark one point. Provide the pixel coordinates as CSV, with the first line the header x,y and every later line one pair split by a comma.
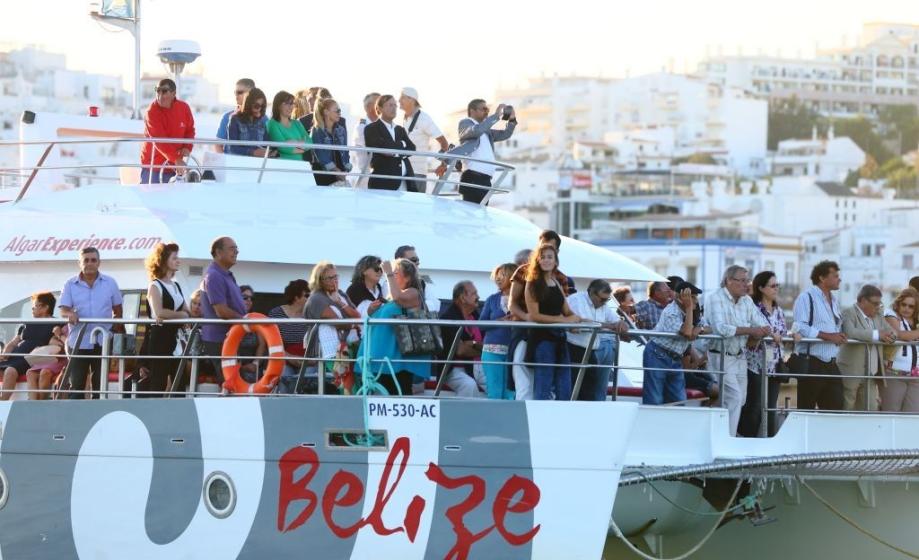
x,y
93,111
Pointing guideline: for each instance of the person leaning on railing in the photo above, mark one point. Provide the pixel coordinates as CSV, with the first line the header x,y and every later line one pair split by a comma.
x,y
663,356
380,343
89,295
327,301
327,130
167,117
733,315
593,305
249,124
497,339
282,128
900,388
863,322
765,292
165,300
548,348
818,315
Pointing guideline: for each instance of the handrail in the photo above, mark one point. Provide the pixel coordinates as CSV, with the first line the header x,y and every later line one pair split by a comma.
x,y
446,157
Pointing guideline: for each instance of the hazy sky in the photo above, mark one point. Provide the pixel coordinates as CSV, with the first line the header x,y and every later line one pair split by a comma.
x,y
449,51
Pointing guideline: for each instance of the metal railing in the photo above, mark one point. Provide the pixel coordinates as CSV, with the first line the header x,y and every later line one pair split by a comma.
x,y
440,183
448,360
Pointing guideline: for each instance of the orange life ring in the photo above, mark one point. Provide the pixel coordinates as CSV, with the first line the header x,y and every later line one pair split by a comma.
x,y
233,382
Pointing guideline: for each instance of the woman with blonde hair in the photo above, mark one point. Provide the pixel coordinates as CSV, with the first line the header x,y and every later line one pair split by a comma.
x,y
327,130
164,301
900,387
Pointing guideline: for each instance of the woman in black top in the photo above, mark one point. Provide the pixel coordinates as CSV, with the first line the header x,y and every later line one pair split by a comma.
x,y
546,303
165,300
365,291
28,339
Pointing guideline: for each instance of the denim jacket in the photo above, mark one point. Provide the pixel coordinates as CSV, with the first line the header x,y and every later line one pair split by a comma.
x,y
248,131
331,160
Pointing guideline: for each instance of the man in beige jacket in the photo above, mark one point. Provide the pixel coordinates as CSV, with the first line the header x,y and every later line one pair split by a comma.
x,y
863,322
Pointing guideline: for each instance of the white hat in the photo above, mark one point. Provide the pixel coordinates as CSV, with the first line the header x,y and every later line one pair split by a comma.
x,y
410,92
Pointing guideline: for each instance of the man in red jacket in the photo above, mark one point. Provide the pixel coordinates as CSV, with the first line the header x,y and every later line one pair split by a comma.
x,y
167,117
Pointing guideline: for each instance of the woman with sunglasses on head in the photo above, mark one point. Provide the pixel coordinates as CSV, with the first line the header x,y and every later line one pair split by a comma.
x,y
365,291
328,130
900,386
250,124
283,128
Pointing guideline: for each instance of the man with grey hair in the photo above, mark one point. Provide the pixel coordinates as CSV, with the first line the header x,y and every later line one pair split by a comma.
x,y
363,158
733,315
593,305
864,322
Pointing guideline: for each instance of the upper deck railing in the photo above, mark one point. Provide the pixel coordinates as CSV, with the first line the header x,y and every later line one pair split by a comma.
x,y
443,185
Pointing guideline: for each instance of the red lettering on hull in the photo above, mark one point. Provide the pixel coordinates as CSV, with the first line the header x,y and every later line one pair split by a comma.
x,y
345,489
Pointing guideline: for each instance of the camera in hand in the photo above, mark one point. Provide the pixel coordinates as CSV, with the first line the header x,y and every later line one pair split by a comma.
x,y
508,111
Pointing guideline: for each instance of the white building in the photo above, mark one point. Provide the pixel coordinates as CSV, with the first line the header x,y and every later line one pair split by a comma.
x,y
884,253
828,159
200,94
881,69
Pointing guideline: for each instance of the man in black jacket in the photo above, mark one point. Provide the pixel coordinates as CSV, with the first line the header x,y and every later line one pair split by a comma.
x,y
384,133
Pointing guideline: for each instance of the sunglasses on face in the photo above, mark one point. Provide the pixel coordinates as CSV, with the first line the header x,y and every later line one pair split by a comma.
x,y
247,297
258,106
415,260
378,269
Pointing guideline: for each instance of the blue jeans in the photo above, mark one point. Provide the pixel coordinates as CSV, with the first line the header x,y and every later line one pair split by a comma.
x,y
663,379
159,175
595,383
496,376
555,377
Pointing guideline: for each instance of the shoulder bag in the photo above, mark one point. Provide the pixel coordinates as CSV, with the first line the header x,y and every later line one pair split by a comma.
x,y
416,338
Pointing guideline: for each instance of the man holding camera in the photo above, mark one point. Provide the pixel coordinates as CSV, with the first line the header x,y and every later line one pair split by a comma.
x,y
477,140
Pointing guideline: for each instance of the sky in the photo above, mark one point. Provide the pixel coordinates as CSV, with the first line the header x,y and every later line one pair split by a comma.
x,y
449,51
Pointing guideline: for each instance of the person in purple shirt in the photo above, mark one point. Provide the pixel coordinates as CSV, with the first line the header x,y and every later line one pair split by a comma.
x,y
221,300
89,295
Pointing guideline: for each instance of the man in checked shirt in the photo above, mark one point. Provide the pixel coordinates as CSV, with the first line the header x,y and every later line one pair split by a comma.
x,y
733,315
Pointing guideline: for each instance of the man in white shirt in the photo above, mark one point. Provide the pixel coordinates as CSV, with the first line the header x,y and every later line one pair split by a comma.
x,y
478,138
733,315
421,130
593,305
363,158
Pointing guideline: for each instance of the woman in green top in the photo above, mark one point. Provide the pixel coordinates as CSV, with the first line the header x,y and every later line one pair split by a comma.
x,y
281,128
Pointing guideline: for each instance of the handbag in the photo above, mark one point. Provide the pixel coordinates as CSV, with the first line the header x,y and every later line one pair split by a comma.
x,y
34,359
799,363
418,339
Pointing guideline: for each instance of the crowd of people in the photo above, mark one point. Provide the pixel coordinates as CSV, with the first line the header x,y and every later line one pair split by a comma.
x,y
311,119
497,362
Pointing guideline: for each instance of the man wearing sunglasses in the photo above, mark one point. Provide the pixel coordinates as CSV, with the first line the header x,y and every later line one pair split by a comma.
x,y
167,117
243,85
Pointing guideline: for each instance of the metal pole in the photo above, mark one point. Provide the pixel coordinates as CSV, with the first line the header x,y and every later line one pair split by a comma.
x,y
136,113
450,355
615,396
584,361
104,362
764,401
307,341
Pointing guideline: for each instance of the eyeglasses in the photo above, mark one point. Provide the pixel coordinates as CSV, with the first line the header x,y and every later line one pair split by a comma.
x,y
247,297
337,111
774,286
258,106
330,278
741,280
415,260
378,269
875,302
163,90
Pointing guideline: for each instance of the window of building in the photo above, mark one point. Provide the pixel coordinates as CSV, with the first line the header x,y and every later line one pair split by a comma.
x,y
692,274
728,261
790,274
769,265
908,262
866,250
